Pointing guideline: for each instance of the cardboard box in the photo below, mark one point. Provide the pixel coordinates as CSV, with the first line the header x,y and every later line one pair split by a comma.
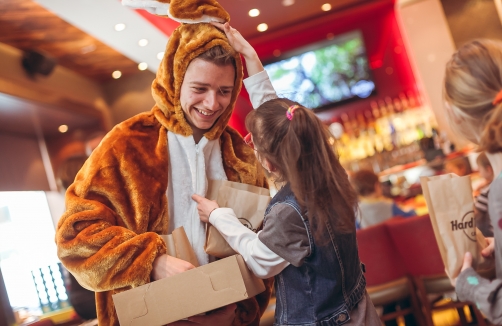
x,y
187,294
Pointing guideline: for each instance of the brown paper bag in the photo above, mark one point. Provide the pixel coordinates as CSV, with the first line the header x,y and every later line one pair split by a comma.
x,y
214,187
249,204
178,246
451,210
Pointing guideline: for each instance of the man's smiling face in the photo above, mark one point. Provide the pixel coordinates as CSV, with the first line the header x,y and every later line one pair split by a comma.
x,y
206,93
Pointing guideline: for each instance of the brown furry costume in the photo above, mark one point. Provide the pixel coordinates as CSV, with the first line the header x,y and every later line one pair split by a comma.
x,y
117,207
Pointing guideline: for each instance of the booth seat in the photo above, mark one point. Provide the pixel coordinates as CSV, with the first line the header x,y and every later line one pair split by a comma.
x,y
415,244
386,276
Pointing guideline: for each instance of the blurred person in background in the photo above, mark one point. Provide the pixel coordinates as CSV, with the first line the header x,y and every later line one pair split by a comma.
x,y
481,201
473,98
374,208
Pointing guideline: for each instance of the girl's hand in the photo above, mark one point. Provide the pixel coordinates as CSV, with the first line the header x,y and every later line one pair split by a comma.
x,y
467,263
236,40
488,251
205,207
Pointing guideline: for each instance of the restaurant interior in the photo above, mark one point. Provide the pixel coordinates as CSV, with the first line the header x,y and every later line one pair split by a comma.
x,y
71,70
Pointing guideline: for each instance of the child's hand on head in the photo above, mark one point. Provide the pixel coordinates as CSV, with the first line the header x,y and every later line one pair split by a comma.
x,y
236,40
205,207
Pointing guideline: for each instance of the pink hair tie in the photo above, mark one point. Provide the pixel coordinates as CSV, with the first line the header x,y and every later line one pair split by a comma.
x,y
291,111
498,98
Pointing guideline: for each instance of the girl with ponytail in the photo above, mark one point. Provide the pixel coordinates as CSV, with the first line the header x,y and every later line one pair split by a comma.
x,y
308,240
473,94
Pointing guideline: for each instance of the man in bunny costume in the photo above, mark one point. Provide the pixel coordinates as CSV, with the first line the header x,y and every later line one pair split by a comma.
x,y
138,182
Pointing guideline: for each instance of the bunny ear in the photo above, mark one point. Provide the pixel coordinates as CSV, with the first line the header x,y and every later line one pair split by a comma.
x,y
152,6
183,11
197,11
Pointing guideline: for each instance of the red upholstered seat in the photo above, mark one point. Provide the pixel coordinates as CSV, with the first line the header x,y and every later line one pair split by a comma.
x,y
386,277
378,253
415,241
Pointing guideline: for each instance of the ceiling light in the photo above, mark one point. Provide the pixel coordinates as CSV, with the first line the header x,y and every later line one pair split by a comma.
x,y
326,7
142,66
143,42
63,128
116,74
287,3
120,27
160,55
254,13
262,27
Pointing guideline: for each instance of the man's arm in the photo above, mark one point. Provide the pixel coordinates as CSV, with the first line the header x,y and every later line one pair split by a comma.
x,y
103,237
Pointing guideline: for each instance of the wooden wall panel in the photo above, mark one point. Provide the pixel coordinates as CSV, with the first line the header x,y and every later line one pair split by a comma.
x,y
26,25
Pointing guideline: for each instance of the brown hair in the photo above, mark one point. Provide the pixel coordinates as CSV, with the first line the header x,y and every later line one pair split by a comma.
x,y
300,151
219,56
473,78
364,182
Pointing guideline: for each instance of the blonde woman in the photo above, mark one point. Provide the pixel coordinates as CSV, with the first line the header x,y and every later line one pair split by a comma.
x,y
473,94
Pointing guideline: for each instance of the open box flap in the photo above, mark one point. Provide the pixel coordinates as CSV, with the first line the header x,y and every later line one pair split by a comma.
x,y
196,291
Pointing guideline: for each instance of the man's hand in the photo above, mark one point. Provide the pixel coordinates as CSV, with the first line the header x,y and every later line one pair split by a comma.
x,y
488,251
205,207
221,317
165,266
466,265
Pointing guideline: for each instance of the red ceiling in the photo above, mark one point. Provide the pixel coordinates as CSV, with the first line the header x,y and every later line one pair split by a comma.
x,y
377,21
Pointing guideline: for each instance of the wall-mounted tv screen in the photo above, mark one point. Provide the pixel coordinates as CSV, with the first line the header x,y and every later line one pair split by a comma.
x,y
324,74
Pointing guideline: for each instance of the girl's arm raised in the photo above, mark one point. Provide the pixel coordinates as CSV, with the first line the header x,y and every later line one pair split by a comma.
x,y
258,83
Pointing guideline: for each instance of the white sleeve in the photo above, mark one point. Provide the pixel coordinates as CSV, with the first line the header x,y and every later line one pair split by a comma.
x,y
259,88
262,261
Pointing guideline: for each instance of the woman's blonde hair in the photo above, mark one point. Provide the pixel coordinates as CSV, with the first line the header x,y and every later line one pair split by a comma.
x,y
473,79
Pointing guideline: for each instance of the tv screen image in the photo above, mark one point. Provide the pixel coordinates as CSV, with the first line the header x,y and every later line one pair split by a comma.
x,y
324,74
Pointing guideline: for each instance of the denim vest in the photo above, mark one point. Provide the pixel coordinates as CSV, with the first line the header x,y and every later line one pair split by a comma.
x,y
328,285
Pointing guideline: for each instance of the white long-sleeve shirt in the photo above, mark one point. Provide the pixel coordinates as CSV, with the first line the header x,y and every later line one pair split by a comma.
x,y
283,241
262,261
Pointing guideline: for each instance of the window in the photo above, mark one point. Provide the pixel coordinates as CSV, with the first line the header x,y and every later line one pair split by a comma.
x,y
27,245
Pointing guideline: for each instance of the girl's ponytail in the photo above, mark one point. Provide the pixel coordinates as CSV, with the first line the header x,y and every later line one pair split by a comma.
x,y
297,144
